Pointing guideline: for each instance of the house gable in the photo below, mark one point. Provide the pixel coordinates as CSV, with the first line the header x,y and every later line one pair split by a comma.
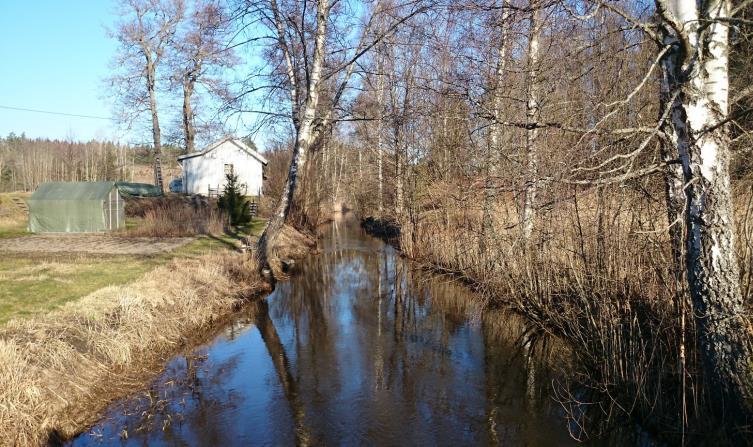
x,y
238,143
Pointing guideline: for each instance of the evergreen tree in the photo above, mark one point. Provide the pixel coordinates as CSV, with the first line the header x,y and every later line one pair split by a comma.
x,y
233,203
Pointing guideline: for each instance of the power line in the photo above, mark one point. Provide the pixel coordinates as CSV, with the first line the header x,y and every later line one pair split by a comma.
x,y
22,109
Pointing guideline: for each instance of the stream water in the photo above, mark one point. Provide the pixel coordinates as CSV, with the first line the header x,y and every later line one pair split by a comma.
x,y
356,348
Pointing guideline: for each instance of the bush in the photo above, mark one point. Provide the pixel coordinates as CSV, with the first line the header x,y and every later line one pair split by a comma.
x,y
233,203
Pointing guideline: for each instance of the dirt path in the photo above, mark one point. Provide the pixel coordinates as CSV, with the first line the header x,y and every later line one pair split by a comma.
x,y
91,243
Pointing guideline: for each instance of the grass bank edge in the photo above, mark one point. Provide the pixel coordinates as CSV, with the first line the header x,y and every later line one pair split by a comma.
x,y
35,283
59,371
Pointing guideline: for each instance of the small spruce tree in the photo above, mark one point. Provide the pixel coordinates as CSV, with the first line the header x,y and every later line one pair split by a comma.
x,y
233,203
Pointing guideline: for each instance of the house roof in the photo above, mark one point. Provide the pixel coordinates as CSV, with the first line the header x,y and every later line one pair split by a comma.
x,y
217,144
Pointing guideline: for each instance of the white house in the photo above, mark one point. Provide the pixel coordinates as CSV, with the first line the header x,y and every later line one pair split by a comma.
x,y
204,172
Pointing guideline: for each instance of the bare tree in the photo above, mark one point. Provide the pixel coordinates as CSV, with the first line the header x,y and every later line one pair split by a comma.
x,y
201,56
145,32
533,106
316,60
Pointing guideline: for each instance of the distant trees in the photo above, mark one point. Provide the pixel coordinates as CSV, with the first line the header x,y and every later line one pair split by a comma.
x,y
25,162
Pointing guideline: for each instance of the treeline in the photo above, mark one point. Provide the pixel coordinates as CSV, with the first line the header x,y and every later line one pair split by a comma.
x,y
25,162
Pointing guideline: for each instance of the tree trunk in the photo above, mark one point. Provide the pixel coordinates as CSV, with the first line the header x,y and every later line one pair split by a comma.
x,y
697,68
156,137
495,134
188,127
379,149
399,205
675,203
532,113
304,140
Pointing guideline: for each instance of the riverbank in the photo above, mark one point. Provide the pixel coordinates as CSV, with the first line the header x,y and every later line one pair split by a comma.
x,y
357,348
59,370
620,332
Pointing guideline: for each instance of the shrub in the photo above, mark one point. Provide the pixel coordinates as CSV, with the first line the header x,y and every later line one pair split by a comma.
x,y
233,203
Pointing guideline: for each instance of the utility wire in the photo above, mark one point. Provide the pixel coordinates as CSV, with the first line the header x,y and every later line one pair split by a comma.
x,y
22,109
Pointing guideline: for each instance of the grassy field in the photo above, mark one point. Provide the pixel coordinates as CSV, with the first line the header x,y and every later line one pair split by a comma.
x,y
12,218
35,283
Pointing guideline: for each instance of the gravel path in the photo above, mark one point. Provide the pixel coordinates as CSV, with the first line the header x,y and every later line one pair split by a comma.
x,y
91,243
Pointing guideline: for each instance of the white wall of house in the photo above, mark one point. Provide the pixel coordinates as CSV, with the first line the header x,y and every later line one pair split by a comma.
x,y
207,168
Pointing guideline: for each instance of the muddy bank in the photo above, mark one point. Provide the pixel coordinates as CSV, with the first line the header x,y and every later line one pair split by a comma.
x,y
389,231
59,371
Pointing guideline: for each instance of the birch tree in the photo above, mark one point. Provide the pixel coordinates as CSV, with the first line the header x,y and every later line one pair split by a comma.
x,y
306,48
532,116
495,132
696,89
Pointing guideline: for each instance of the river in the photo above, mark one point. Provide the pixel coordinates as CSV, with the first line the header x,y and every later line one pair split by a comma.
x,y
356,348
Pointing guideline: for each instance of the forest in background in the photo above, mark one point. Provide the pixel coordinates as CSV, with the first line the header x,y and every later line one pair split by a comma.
x,y
26,162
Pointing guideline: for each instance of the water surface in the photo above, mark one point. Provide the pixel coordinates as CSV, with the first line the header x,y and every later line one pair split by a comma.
x,y
356,349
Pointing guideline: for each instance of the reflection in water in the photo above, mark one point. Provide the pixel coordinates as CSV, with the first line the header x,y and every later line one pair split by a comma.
x,y
356,349
282,367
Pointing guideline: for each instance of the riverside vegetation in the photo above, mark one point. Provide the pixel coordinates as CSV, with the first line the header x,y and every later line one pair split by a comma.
x,y
583,162
93,328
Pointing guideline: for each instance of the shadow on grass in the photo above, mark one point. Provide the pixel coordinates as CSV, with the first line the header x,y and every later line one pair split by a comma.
x,y
224,241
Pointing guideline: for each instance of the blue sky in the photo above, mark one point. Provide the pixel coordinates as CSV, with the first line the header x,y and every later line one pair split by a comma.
x,y
54,55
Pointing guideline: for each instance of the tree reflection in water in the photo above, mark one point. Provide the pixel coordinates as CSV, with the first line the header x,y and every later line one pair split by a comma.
x,y
357,348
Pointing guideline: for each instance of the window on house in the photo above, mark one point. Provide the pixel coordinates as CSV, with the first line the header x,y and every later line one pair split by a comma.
x,y
228,169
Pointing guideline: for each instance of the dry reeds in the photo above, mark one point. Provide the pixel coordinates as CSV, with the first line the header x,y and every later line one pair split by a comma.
x,y
58,371
597,273
174,216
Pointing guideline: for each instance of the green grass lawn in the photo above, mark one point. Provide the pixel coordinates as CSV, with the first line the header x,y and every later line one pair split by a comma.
x,y
36,283
29,286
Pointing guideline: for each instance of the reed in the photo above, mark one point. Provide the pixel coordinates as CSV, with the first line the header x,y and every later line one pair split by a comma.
x,y
597,273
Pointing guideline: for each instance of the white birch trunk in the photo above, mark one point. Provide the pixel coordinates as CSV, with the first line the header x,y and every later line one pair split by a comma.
x,y
532,113
495,134
379,148
304,138
697,65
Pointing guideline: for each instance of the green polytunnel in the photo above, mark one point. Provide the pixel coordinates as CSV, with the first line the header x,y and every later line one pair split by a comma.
x,y
138,189
76,207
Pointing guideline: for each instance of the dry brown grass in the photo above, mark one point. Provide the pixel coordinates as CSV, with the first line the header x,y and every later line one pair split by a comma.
x,y
173,216
289,244
59,371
